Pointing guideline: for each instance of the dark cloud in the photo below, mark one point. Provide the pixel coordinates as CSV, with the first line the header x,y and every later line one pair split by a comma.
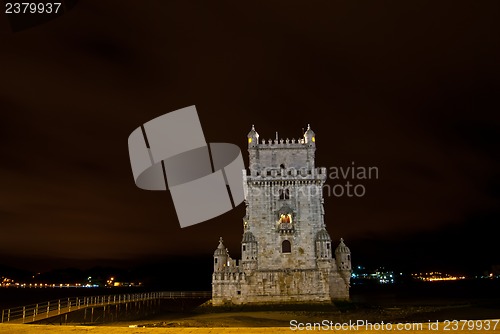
x,y
406,87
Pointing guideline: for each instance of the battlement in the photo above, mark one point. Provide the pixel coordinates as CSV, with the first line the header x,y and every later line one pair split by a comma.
x,y
228,277
308,140
282,153
281,143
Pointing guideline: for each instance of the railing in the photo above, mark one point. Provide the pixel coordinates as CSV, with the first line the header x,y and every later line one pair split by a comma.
x,y
287,173
286,228
185,294
35,312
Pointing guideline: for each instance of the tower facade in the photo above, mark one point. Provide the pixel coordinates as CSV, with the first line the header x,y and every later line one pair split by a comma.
x,y
287,254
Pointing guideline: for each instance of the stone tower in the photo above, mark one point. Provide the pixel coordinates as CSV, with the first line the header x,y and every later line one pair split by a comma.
x,y
286,251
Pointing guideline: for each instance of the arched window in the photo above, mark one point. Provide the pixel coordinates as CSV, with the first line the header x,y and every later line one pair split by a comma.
x,y
286,246
284,193
349,257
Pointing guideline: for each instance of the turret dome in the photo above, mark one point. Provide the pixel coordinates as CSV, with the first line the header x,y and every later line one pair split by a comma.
x,y
323,236
342,248
248,237
221,249
253,137
309,136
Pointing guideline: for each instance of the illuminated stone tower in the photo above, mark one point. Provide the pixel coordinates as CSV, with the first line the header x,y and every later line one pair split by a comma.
x,y
286,251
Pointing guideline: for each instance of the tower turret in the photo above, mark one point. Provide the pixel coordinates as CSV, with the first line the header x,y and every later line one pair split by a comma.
x,y
221,257
310,141
343,260
323,245
253,138
249,250
253,155
310,136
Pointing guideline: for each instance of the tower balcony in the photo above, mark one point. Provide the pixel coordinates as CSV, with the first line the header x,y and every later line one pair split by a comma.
x,y
286,228
287,173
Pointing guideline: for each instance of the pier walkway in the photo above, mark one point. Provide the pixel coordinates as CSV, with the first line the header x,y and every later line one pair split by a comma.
x,y
37,312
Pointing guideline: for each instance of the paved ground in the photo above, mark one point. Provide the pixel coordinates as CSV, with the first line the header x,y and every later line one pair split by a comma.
x,y
36,329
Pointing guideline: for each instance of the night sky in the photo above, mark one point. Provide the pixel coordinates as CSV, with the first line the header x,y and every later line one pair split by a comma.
x,y
409,87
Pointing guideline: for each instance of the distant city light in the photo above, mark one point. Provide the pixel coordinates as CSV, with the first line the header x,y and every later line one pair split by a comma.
x,y
435,276
380,275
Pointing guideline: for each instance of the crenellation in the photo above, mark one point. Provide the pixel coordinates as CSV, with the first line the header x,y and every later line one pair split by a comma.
x,y
281,143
